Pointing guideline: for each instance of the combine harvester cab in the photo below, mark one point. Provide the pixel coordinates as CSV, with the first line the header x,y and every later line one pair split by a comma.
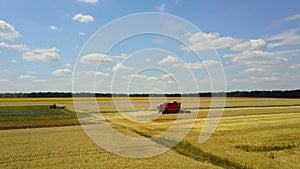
x,y
171,108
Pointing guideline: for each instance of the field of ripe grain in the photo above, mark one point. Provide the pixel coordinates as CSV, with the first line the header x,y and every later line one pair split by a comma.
x,y
70,147
253,133
258,133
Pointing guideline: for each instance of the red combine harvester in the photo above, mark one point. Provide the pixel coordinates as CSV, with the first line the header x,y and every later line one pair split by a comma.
x,y
171,108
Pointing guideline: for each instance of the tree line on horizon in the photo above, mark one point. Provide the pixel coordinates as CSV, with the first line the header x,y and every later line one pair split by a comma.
x,y
256,93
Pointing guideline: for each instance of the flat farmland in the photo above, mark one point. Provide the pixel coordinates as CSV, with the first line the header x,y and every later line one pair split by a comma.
x,y
253,133
70,147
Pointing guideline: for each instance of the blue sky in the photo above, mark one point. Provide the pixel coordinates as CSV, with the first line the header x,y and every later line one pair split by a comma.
x,y
257,42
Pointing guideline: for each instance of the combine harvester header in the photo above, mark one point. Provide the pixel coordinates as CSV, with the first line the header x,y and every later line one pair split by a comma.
x,y
171,108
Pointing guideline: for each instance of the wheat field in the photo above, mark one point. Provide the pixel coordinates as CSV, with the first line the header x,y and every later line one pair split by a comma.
x,y
253,133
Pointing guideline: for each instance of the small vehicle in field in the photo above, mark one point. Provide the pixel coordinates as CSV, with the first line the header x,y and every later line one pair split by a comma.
x,y
171,108
54,106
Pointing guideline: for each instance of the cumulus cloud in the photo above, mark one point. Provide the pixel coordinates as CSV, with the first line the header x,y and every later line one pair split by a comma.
x,y
26,77
256,44
13,60
89,1
295,66
144,77
32,78
8,32
152,78
3,80
289,37
59,72
166,76
97,73
81,33
83,18
44,55
6,71
201,65
119,67
251,70
170,82
54,28
258,58
198,65
95,58
200,41
67,65
168,60
121,56
266,78
207,63
137,76
21,47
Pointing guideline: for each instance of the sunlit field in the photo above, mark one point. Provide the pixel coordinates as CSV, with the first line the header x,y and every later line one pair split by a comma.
x,y
253,133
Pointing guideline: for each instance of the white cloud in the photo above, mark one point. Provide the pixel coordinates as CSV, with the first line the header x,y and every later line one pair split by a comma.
x,y
26,77
166,76
119,66
258,58
54,28
62,72
89,1
168,60
151,78
250,70
81,33
97,73
161,8
122,56
256,44
200,41
95,58
83,18
148,60
201,65
21,47
295,66
207,63
137,76
13,60
292,18
289,37
170,82
32,78
8,32
198,65
6,71
44,55
3,80
266,78
67,65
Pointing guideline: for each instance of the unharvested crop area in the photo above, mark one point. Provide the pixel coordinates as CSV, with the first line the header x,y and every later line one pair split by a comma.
x,y
34,116
253,133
